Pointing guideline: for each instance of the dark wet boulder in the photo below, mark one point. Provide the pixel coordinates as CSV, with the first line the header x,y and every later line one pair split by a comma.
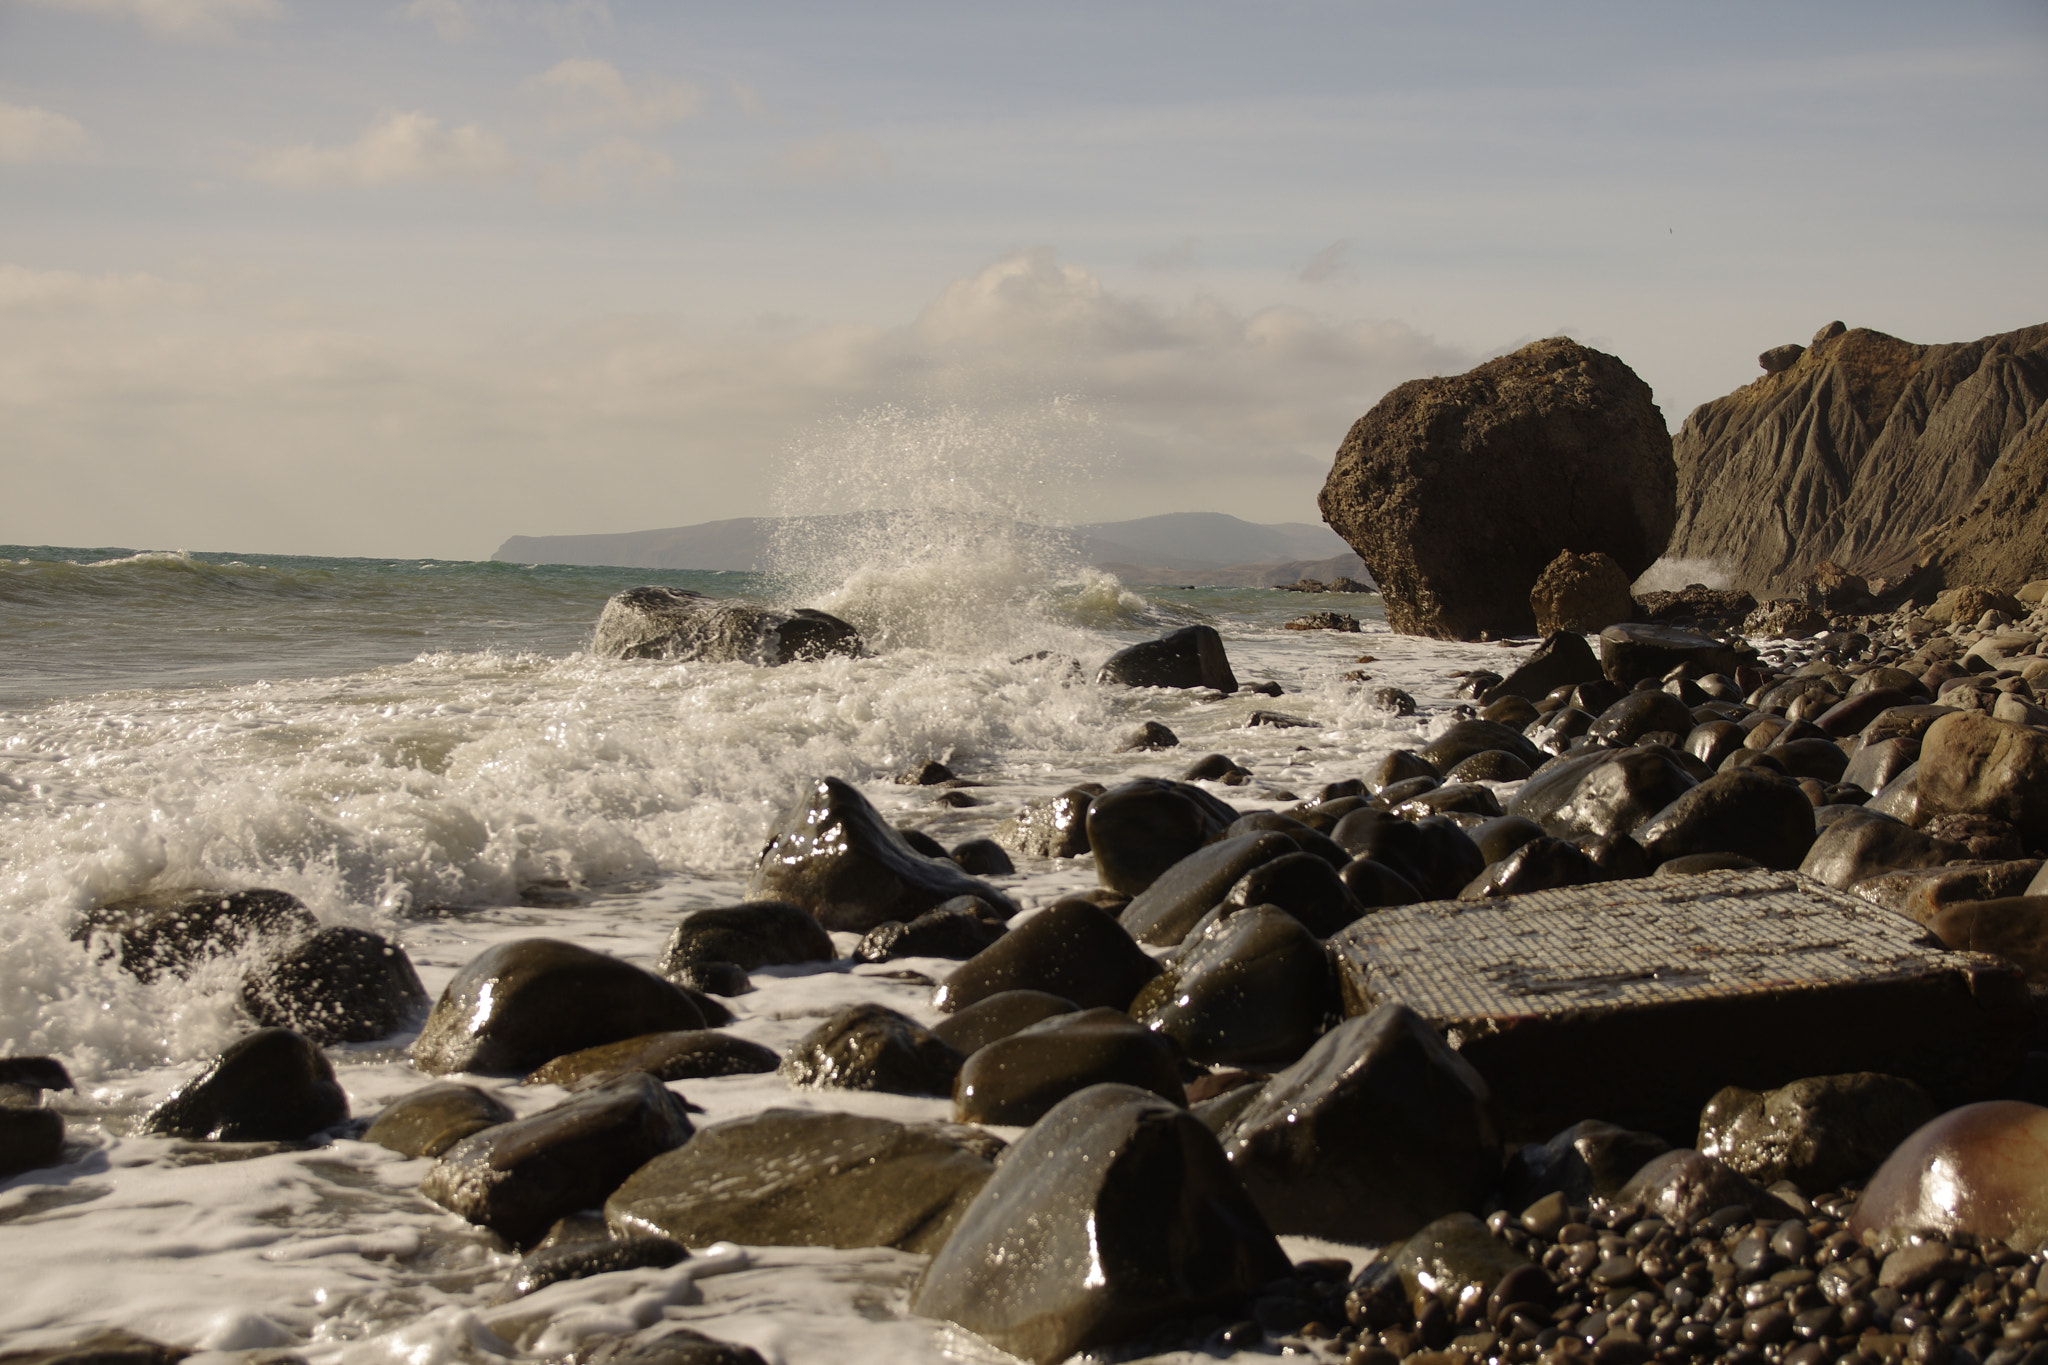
x,y
516,1005
1693,864
1140,828
1922,894
1852,849
1850,715
1974,765
1538,865
30,1136
1433,855
1491,765
1980,1170
1148,735
1602,793
1819,1133
673,1344
1578,592
430,1120
1455,798
1457,491
833,855
958,929
742,937
1638,714
548,1265
683,1055
1113,1213
1306,837
1685,1185
1561,730
1819,759
1071,949
1873,765
675,623
341,985
1464,738
1018,1079
1375,884
983,858
268,1086
1750,813
1054,829
1630,653
28,1077
1399,766
1377,1130
517,1178
1590,1160
788,1178
1163,912
999,1016
1454,1262
1305,885
872,1047
1189,657
1502,835
1712,741
1253,988
171,933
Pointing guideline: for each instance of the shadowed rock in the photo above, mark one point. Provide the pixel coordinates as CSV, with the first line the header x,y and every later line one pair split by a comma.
x,y
1377,1130
998,1016
1189,657
1601,794
429,1121
29,1137
1254,988
517,1178
340,986
872,1047
268,1086
1113,1213
1684,1186
1818,1133
674,623
516,1005
958,929
1163,912
1744,812
835,857
1630,653
1018,1079
756,934
1140,828
171,933
1071,949
789,1178
1591,1159
684,1055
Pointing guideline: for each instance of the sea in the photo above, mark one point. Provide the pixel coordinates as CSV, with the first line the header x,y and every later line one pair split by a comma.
x,y
428,749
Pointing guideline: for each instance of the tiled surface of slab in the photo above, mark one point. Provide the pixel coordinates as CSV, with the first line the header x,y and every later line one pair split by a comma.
x,y
1634,1001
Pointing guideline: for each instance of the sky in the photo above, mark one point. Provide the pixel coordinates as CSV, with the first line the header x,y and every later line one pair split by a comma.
x,y
348,277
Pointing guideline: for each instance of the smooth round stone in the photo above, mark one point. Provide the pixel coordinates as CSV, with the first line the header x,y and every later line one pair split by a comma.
x,y
1452,798
1019,1079
1071,949
1306,837
268,1086
1305,886
750,936
1491,765
1057,828
1537,865
1399,766
872,1047
998,1016
342,985
983,858
957,930
683,1055
1254,988
1741,812
1166,910
1684,1186
1981,1170
1376,885
517,1005
173,933
429,1121
1464,738
1504,834
1639,714
1140,828
1601,793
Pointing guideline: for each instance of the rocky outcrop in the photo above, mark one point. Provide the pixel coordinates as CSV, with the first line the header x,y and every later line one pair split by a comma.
x,y
1580,593
1458,491
1861,446
675,623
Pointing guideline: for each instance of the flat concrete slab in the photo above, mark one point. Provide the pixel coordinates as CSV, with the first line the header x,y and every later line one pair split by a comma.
x,y
1635,1001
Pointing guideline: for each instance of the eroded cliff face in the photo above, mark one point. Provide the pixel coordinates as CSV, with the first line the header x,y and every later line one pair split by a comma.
x,y
1853,451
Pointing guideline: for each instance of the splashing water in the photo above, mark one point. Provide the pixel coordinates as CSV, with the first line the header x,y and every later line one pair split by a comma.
x,y
935,527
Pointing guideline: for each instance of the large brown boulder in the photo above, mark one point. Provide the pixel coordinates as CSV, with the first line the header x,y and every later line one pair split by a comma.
x,y
1458,491
1581,593
1863,446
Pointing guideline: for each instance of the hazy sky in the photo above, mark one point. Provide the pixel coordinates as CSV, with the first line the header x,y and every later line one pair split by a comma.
x,y
346,277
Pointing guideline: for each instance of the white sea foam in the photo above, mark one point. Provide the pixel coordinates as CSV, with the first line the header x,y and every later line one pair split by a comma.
x,y
1670,575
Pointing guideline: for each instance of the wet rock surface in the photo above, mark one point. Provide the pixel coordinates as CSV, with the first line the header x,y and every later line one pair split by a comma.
x,y
271,1085
684,1055
872,1047
342,985
750,936
1071,949
1819,1132
1140,828
1975,1171
1019,1078
1254,988
431,1120
1115,1212
1189,657
834,856
520,1004
172,933
789,1178
677,624
517,1178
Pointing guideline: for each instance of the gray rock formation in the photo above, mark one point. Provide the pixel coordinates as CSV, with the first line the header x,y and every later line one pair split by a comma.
x,y
1458,491
674,623
1859,447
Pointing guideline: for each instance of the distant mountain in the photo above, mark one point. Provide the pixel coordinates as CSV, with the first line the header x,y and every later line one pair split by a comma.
x,y
1206,547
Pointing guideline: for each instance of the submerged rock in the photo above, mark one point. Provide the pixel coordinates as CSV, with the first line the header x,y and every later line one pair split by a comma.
x,y
674,623
517,1178
749,936
516,1005
429,1121
268,1086
171,933
833,855
1114,1212
789,1178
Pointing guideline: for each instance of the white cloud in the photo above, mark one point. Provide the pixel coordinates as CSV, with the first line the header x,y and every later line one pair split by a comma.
x,y
182,18
30,134
23,290
590,93
613,160
460,20
1328,264
838,156
399,148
